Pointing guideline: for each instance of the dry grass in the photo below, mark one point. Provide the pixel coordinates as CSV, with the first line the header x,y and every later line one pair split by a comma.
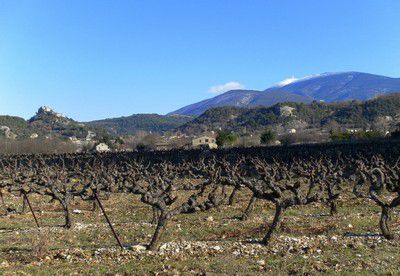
x,y
303,245
40,244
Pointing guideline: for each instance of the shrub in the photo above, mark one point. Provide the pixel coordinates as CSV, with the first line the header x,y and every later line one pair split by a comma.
x,y
267,137
142,147
225,138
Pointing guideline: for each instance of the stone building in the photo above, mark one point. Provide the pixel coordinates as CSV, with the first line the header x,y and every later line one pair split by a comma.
x,y
204,141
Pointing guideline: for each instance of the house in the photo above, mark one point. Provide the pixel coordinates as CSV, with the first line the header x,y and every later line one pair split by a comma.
x,y
102,147
352,130
204,141
75,140
162,146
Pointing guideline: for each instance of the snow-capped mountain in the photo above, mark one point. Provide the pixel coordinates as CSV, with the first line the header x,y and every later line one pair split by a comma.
x,y
332,87
327,87
241,98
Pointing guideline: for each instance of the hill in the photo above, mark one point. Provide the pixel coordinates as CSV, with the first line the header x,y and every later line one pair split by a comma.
x,y
137,122
47,123
327,87
12,127
381,111
55,123
241,98
50,123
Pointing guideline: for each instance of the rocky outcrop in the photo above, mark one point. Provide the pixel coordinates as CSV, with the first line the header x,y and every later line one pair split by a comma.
x,y
286,111
7,132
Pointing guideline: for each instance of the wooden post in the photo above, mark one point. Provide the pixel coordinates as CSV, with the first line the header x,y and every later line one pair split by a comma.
x,y
108,221
30,207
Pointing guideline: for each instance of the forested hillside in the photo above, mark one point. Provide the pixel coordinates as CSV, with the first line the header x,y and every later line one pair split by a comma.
x,y
351,114
46,123
141,122
12,125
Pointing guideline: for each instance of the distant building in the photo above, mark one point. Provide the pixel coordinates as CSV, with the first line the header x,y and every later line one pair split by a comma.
x,y
204,141
162,146
48,110
292,131
102,147
75,140
352,130
34,136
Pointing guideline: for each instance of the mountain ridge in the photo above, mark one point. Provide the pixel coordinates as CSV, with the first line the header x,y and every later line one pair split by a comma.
x,y
328,87
378,112
331,87
241,98
325,87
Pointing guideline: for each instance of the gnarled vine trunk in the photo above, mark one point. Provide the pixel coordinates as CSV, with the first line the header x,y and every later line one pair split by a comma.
x,y
160,229
249,208
383,222
231,199
279,210
333,207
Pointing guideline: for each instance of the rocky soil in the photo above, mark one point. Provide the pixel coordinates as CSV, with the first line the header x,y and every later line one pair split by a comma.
x,y
308,242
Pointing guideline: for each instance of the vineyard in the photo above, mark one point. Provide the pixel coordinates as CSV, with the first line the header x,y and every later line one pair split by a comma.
x,y
178,186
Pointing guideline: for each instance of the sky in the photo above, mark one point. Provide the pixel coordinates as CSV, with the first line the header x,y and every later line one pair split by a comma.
x,y
98,59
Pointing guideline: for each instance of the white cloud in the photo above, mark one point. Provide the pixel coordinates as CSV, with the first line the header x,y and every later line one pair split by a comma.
x,y
232,85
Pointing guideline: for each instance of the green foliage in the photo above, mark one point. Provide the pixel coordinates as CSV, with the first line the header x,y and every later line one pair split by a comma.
x,y
61,126
267,137
18,126
341,136
369,135
141,122
225,138
212,119
350,114
106,139
45,124
142,147
119,141
360,135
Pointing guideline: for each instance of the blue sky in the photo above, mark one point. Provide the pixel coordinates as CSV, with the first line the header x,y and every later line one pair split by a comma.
x,y
98,59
